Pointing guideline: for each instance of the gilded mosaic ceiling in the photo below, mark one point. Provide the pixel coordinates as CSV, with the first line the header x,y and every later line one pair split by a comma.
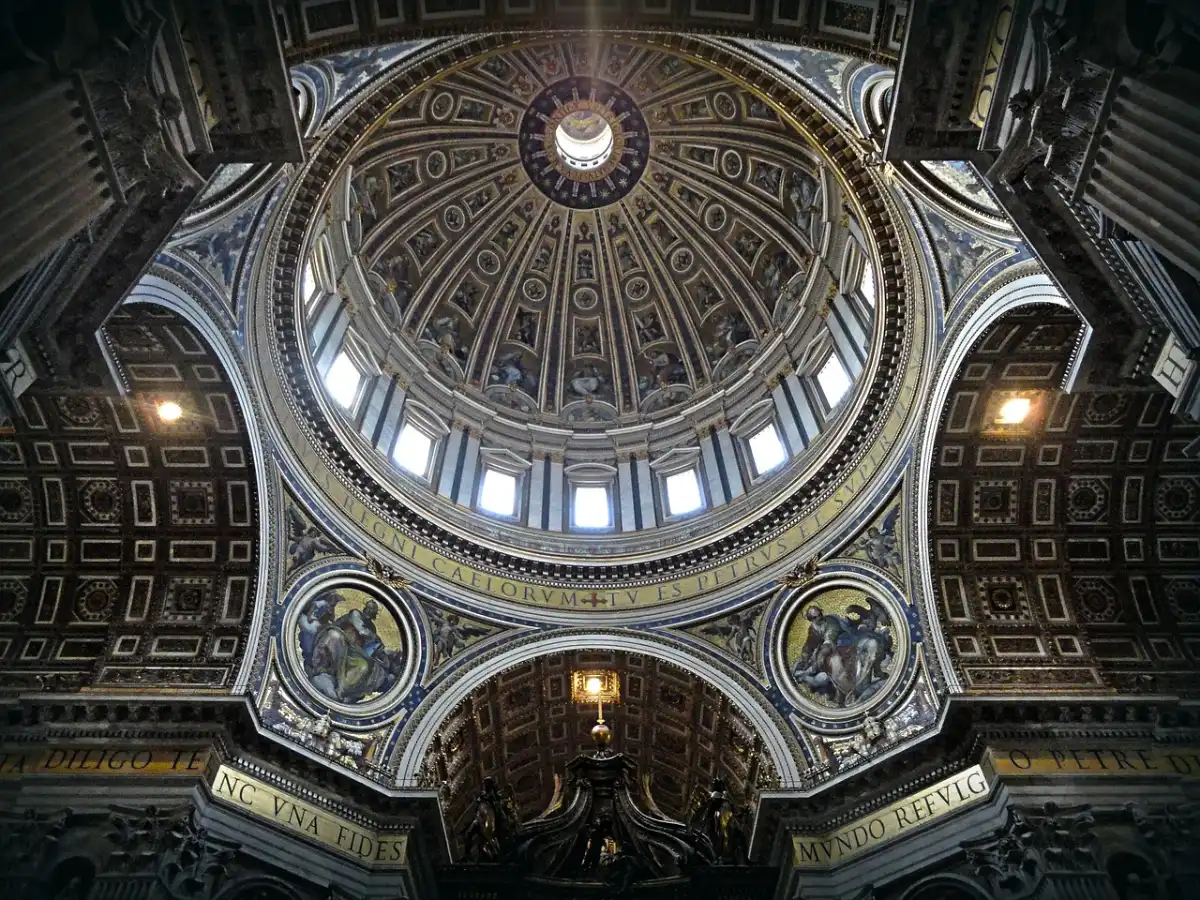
x,y
596,295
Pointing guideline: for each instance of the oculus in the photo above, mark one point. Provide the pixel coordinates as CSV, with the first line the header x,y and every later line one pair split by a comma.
x,y
842,650
350,646
584,142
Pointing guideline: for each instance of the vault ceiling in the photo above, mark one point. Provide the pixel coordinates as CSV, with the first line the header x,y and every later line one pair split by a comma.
x,y
1066,549
613,295
129,546
522,728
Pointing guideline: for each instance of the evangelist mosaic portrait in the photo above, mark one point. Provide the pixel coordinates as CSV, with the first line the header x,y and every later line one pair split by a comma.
x,y
350,645
840,648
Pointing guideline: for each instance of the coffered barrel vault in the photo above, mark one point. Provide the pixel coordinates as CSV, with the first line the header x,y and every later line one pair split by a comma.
x,y
1065,548
130,544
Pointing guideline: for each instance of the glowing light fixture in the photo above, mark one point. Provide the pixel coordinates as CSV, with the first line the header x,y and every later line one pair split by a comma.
x,y
170,411
594,685
1014,411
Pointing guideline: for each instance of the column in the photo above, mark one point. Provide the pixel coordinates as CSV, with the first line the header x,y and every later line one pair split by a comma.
x,y
382,412
845,344
711,471
470,468
728,458
644,495
536,508
625,501
556,508
329,327
451,462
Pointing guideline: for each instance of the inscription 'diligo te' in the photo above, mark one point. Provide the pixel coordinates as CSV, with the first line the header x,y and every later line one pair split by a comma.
x,y
104,761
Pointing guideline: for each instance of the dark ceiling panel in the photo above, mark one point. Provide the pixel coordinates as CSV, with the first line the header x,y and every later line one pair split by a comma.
x,y
1065,550
129,546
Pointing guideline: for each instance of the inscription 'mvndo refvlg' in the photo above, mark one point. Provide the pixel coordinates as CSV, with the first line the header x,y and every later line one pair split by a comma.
x,y
940,800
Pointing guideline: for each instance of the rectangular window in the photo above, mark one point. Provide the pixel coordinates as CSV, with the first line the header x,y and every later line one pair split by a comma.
x,y
590,507
343,380
683,493
766,449
866,286
308,284
834,380
498,495
413,450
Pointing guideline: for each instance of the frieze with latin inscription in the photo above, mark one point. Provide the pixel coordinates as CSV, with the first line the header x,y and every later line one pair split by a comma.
x,y
104,761
1107,760
261,800
893,821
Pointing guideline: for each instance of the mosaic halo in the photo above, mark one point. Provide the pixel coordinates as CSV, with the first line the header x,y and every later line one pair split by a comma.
x,y
350,645
584,188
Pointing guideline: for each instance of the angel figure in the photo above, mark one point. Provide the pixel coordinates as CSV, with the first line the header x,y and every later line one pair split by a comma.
x,y
450,634
880,543
305,541
805,194
739,633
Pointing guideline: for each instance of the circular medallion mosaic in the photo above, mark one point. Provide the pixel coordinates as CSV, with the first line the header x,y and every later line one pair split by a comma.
x,y
349,647
842,648
584,142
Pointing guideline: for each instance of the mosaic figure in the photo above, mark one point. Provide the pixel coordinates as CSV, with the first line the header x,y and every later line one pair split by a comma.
x,y
847,651
350,645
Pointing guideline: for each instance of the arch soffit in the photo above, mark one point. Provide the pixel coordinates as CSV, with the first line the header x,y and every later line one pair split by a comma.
x,y
164,292
1026,284
419,732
